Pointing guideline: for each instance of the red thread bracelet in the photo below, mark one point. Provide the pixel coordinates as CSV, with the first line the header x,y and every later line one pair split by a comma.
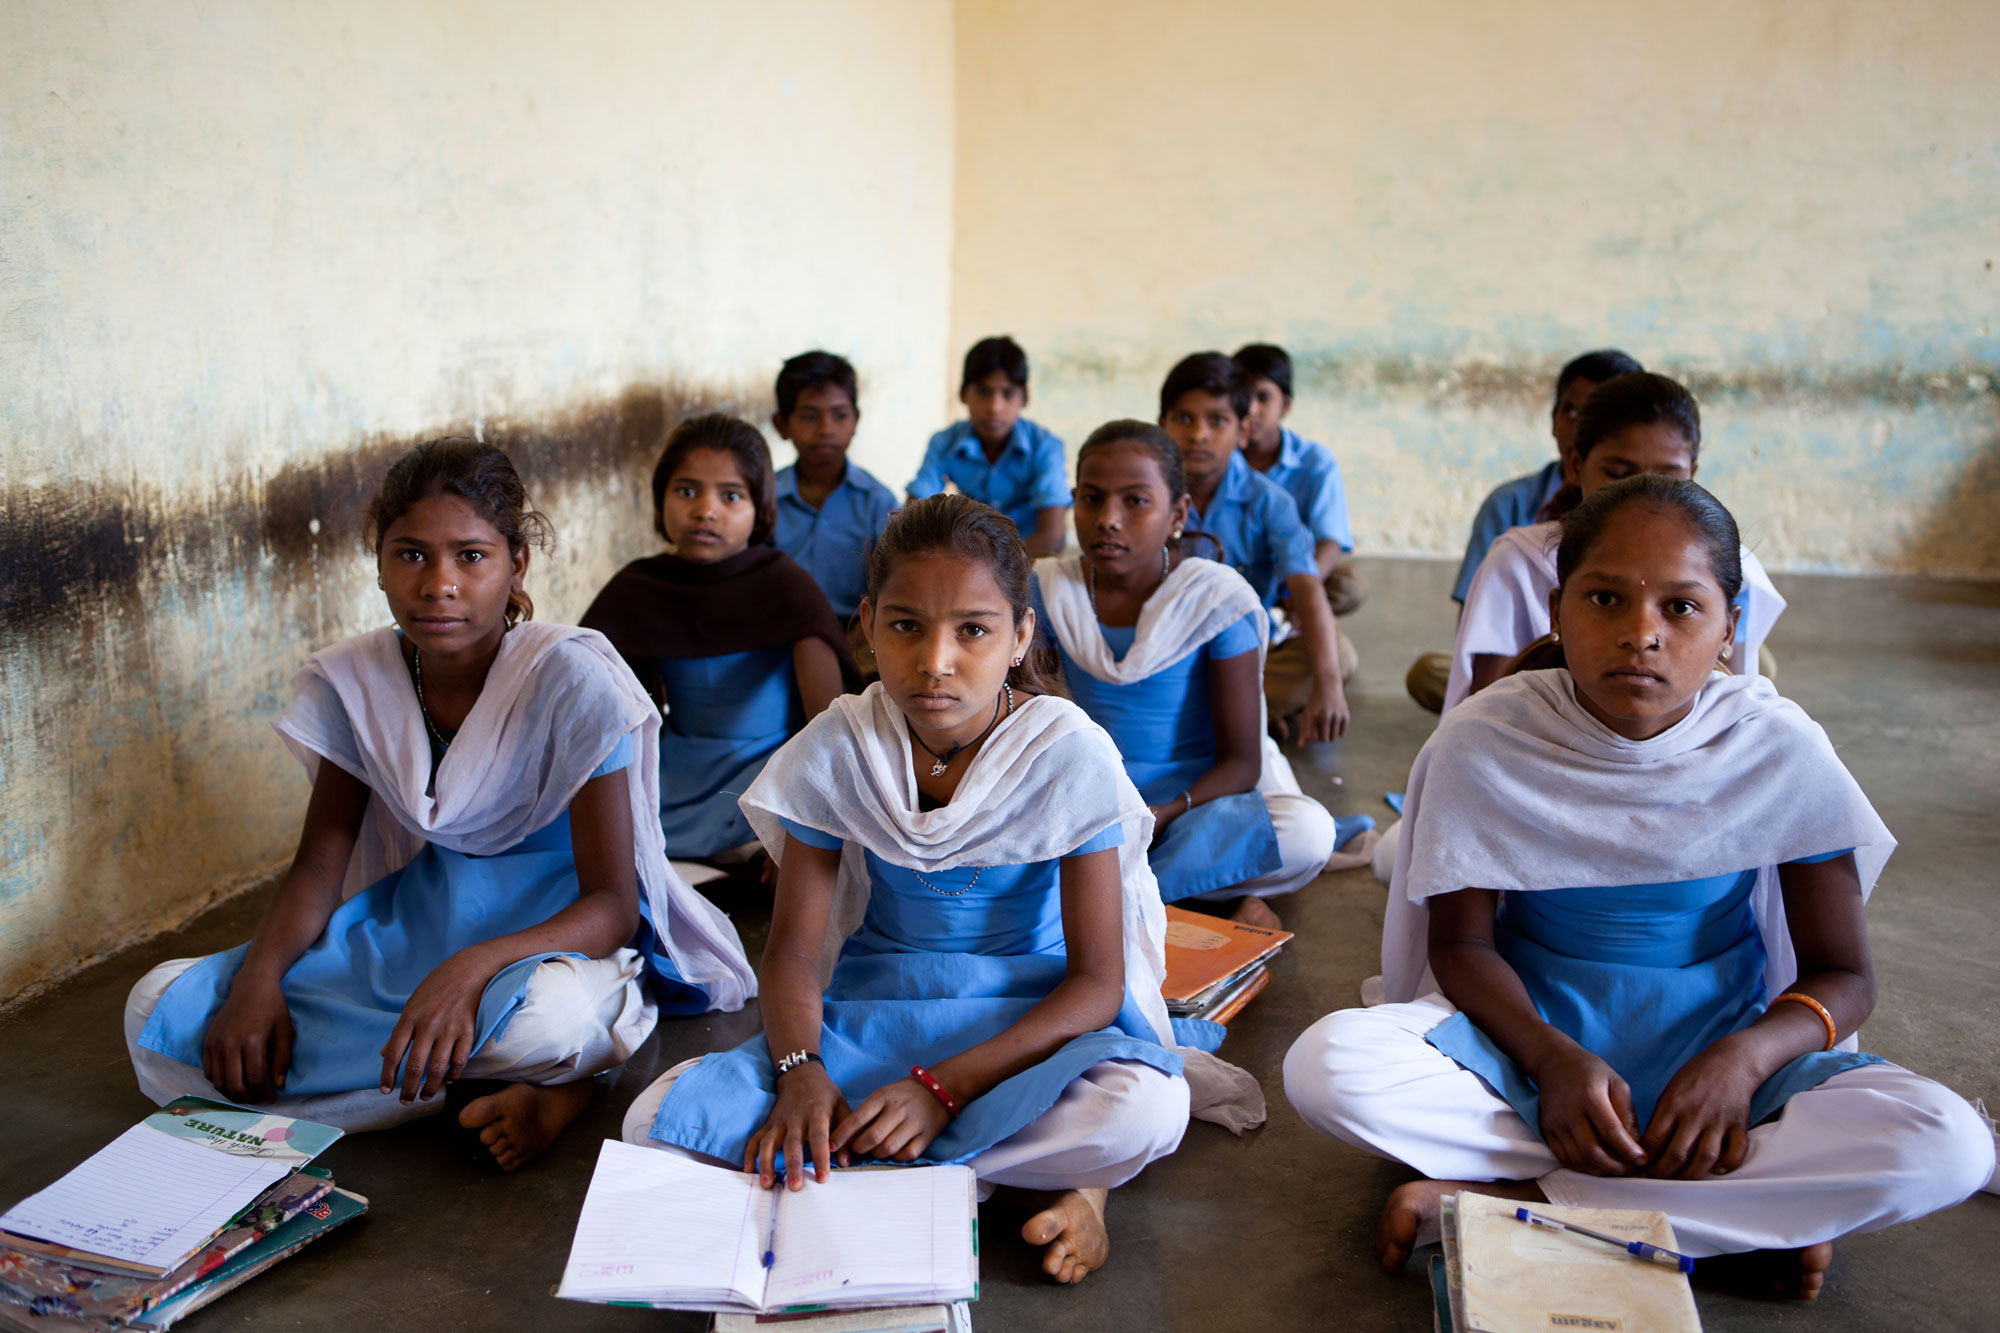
x,y
923,1076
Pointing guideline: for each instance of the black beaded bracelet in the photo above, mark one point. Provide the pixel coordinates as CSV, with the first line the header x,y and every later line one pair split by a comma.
x,y
786,1064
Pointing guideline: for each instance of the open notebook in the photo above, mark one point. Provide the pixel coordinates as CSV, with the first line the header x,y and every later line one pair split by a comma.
x,y
660,1229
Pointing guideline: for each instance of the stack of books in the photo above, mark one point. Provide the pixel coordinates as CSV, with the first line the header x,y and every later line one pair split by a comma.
x,y
1215,966
870,1250
181,1208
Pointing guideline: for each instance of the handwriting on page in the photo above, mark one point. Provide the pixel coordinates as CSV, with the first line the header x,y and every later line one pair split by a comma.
x,y
874,1228
145,1198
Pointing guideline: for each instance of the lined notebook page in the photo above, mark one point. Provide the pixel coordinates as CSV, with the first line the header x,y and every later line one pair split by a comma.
x,y
906,1231
656,1222
145,1198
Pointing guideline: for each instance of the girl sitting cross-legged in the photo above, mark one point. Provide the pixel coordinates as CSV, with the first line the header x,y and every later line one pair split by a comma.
x,y
1165,651
1681,1038
972,849
480,890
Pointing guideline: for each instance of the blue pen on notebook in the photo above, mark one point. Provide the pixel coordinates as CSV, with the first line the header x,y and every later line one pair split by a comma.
x,y
771,1236
1638,1249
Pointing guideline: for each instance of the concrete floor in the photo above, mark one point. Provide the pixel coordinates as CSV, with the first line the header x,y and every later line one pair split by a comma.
x,y
1270,1231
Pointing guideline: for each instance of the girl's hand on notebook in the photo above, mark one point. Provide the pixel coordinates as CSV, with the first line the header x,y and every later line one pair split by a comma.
x,y
809,1105
438,1027
896,1122
1701,1125
1587,1115
247,1049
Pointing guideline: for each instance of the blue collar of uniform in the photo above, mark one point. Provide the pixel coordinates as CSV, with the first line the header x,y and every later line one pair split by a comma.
x,y
1290,446
969,446
788,481
1236,475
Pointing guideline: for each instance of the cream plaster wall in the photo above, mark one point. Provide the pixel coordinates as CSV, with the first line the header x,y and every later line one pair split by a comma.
x,y
1433,205
247,250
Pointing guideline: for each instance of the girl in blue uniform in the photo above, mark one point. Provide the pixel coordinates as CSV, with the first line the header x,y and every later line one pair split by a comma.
x,y
1682,1038
732,635
971,846
1165,651
482,801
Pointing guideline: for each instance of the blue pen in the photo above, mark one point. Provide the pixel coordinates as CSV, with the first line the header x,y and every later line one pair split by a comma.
x,y
1639,1249
771,1236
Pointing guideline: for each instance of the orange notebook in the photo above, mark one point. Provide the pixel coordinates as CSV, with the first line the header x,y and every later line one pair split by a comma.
x,y
1202,950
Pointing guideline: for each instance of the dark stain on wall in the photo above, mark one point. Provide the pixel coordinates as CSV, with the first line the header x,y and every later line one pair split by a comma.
x,y
71,551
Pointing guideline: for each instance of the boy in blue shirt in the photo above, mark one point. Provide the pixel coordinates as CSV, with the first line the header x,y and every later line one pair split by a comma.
x,y
830,510
1307,471
1517,503
1203,405
996,454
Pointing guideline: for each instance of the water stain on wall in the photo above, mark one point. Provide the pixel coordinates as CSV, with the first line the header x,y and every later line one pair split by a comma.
x,y
68,547
147,646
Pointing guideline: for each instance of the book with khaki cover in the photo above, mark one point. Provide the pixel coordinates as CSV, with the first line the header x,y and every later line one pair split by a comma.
x,y
1514,1277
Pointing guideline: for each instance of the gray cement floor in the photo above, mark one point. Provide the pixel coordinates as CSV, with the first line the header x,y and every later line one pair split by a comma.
x,y
1270,1231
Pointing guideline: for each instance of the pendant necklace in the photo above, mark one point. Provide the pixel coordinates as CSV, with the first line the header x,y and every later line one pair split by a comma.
x,y
944,760
417,674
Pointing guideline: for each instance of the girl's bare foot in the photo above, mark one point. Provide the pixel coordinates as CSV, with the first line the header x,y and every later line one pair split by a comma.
x,y
1072,1228
1256,912
1410,1217
1800,1273
518,1123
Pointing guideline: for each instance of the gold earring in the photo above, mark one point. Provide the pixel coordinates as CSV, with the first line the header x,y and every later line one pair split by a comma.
x,y
1017,661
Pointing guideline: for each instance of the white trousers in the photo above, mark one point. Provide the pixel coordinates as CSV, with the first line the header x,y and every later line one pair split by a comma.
x,y
1866,1149
578,1018
1113,1119
1305,841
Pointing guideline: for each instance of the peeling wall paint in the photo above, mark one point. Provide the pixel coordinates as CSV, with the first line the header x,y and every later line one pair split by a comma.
x,y
1433,206
250,252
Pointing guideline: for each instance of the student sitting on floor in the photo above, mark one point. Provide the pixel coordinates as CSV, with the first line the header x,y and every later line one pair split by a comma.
x,y
727,630
996,454
1681,1039
1165,651
977,845
830,510
1518,503
1307,471
1638,423
483,788
1203,404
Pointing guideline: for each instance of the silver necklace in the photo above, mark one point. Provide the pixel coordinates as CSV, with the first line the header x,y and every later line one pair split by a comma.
x,y
942,893
417,674
944,760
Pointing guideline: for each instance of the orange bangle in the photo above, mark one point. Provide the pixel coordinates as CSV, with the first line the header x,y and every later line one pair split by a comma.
x,y
1800,997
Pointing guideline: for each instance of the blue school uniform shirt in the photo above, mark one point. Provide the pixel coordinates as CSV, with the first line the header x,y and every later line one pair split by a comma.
x,y
1028,478
346,992
1262,536
726,716
832,542
940,963
1645,977
1311,476
1513,504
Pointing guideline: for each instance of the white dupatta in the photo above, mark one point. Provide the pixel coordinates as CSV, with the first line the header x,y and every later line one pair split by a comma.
x,y
1520,789
556,701
1046,780
1196,601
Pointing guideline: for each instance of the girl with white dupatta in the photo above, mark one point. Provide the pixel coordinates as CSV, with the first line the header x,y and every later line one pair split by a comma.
x,y
1631,424
1165,651
972,848
481,887
1682,1039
